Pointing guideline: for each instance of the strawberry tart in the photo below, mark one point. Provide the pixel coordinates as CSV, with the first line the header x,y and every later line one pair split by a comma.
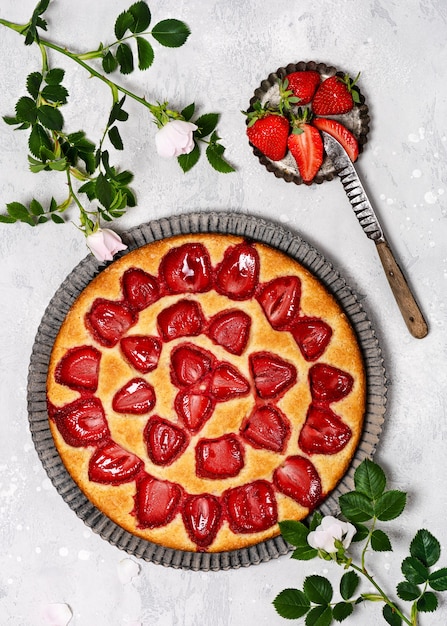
x,y
204,387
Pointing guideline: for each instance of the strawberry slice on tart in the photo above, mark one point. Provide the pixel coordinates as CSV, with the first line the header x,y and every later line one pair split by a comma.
x,y
266,428
82,422
140,289
187,268
237,275
222,457
272,375
329,384
156,501
189,364
297,478
252,507
231,330
109,321
182,319
280,301
194,409
227,383
312,336
136,397
165,441
202,514
79,368
111,464
141,351
323,432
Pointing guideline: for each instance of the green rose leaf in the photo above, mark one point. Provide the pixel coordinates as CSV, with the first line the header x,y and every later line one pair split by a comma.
x,y
319,616
342,610
214,154
425,547
55,93
50,117
117,112
438,580
35,207
115,138
141,17
19,212
104,191
54,76
380,541
33,82
414,570
318,589
124,56
187,161
391,617
356,507
145,53
291,604
294,532
123,22
408,591
390,505
7,219
206,124
109,63
171,33
369,479
361,532
348,584
188,112
427,603
26,110
57,219
39,138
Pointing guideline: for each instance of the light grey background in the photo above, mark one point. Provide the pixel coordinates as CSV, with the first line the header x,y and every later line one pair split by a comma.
x,y
48,555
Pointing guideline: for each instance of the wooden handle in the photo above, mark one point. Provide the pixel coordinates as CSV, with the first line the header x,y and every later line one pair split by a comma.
x,y
407,304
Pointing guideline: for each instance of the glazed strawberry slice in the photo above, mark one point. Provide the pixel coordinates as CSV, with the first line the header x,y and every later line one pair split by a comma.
x,y
156,502
340,133
272,375
108,321
312,335
251,508
202,518
238,273
298,479
329,384
82,422
228,383
79,369
141,351
193,409
231,330
187,268
111,464
182,319
136,397
266,427
222,457
323,432
280,301
165,441
189,364
140,289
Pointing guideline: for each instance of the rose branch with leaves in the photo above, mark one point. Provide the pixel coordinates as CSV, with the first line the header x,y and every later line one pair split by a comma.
x,y
329,538
88,171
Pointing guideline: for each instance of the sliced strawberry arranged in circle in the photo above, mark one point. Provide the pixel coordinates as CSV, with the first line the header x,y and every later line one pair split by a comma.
x,y
187,269
230,329
111,464
298,479
156,502
136,397
140,289
228,383
323,432
329,384
79,369
237,275
272,375
222,457
165,441
202,518
108,321
189,364
266,427
141,351
280,301
182,319
193,409
252,507
312,335
82,422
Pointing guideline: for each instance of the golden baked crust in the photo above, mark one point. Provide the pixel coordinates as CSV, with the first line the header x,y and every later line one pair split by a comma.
x,y
118,501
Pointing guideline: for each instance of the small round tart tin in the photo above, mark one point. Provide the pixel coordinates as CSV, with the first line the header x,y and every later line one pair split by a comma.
x,y
207,222
357,121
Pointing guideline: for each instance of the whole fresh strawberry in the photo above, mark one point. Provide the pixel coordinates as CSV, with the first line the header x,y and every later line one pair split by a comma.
x,y
306,146
268,131
335,95
303,84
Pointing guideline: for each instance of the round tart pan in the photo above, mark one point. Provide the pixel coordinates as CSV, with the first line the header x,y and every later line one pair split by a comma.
x,y
219,222
357,121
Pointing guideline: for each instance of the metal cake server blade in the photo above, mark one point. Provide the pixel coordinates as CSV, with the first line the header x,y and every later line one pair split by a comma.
x,y
370,223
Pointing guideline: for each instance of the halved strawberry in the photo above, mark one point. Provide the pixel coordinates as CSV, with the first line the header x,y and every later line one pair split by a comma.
x,y
193,409
108,321
141,351
266,427
329,384
227,383
340,133
303,84
182,319
251,508
202,518
79,369
268,130
189,364
156,502
230,329
187,268
136,397
82,422
298,479
323,432
111,464
312,335
164,440
306,146
272,375
280,300
335,95
237,274
140,289
222,457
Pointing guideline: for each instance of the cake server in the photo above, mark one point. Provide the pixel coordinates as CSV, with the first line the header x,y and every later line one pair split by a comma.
x,y
369,222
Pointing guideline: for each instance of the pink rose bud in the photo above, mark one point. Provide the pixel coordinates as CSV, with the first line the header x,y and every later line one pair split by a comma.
x,y
175,138
104,243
